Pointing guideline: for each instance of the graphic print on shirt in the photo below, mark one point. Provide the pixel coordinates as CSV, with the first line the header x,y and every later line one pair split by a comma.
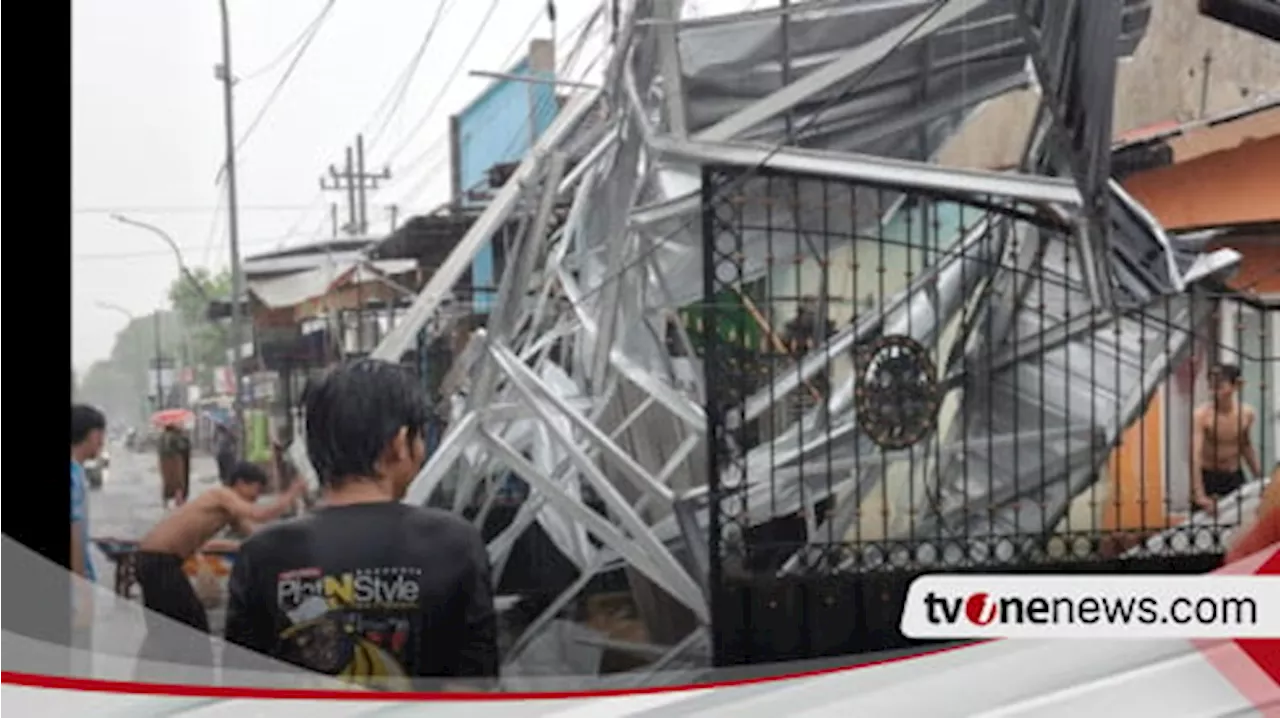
x,y
354,625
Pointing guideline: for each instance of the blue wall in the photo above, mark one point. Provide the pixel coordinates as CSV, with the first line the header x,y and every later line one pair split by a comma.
x,y
495,129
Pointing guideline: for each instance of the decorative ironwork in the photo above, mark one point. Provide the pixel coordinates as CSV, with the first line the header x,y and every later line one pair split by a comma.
x,y
944,393
896,391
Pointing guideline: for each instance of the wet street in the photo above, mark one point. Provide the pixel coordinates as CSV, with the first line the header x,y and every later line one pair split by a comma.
x,y
126,507
128,503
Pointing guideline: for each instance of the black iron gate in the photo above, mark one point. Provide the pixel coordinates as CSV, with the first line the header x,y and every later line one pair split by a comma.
x,y
901,382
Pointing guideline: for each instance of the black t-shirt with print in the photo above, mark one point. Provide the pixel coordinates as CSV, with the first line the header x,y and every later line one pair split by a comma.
x,y
375,593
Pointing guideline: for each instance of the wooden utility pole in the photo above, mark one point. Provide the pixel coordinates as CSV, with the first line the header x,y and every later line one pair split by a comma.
x,y
356,182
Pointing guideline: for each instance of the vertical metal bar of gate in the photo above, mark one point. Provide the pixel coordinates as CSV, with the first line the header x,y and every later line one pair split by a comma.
x,y
711,360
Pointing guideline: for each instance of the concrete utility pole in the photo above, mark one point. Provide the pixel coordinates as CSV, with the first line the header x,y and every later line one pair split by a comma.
x,y
224,74
157,363
356,182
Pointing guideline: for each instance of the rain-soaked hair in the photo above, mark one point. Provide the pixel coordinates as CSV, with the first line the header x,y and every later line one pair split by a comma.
x,y
247,473
85,420
354,411
1229,373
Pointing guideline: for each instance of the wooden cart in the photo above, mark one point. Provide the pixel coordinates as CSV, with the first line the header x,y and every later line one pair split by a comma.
x,y
203,569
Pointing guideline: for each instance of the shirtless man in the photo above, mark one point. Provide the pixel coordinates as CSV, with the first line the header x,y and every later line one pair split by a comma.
x,y
1221,441
166,590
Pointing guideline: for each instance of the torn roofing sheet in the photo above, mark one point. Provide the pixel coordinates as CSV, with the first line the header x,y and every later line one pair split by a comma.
x,y
729,62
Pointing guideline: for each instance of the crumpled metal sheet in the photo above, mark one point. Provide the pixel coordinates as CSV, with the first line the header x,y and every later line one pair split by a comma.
x,y
1091,387
731,61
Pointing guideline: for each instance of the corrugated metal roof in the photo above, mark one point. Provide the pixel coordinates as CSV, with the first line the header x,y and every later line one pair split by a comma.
x,y
296,288
263,269
307,257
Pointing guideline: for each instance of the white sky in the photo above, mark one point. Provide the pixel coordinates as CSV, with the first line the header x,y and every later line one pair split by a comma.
x,y
147,132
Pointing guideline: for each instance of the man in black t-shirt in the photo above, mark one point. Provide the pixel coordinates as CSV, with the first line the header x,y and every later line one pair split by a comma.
x,y
366,588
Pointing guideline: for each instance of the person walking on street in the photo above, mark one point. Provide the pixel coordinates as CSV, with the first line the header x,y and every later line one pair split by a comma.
x,y
224,451
175,466
88,429
285,472
367,588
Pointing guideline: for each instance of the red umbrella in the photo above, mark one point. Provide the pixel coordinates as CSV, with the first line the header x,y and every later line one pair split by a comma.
x,y
172,417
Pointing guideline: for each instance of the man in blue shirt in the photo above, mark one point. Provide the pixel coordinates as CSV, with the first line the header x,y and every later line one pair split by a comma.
x,y
88,427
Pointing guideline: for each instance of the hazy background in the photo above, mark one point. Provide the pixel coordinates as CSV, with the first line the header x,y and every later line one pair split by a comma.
x,y
147,130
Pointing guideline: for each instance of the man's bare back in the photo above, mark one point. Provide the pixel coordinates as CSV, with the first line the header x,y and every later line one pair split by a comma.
x,y
188,528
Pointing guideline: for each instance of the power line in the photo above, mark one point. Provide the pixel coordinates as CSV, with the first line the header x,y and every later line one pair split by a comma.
x,y
306,36
442,140
167,252
574,37
429,176
317,201
211,238
398,90
453,76
313,31
249,77
407,75
182,209
577,38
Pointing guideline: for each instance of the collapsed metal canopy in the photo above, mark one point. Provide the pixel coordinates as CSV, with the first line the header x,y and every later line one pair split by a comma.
x,y
573,385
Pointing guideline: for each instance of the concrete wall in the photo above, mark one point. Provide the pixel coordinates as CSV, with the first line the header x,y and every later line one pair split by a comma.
x,y
1161,83
500,126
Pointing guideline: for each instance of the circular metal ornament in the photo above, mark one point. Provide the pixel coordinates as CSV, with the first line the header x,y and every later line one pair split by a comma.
x,y
896,391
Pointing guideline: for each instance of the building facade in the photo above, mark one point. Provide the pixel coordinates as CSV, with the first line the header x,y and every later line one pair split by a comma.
x,y
1222,181
497,128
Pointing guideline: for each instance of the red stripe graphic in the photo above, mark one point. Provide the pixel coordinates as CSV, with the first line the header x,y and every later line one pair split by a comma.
x,y
1251,665
194,691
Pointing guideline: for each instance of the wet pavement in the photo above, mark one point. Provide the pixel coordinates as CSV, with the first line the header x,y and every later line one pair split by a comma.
x,y
126,507
128,504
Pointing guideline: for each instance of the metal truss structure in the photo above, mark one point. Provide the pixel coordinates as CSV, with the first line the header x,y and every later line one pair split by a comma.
x,y
574,386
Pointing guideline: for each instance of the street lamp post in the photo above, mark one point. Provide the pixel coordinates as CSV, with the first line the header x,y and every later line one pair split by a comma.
x,y
234,338
186,272
177,251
